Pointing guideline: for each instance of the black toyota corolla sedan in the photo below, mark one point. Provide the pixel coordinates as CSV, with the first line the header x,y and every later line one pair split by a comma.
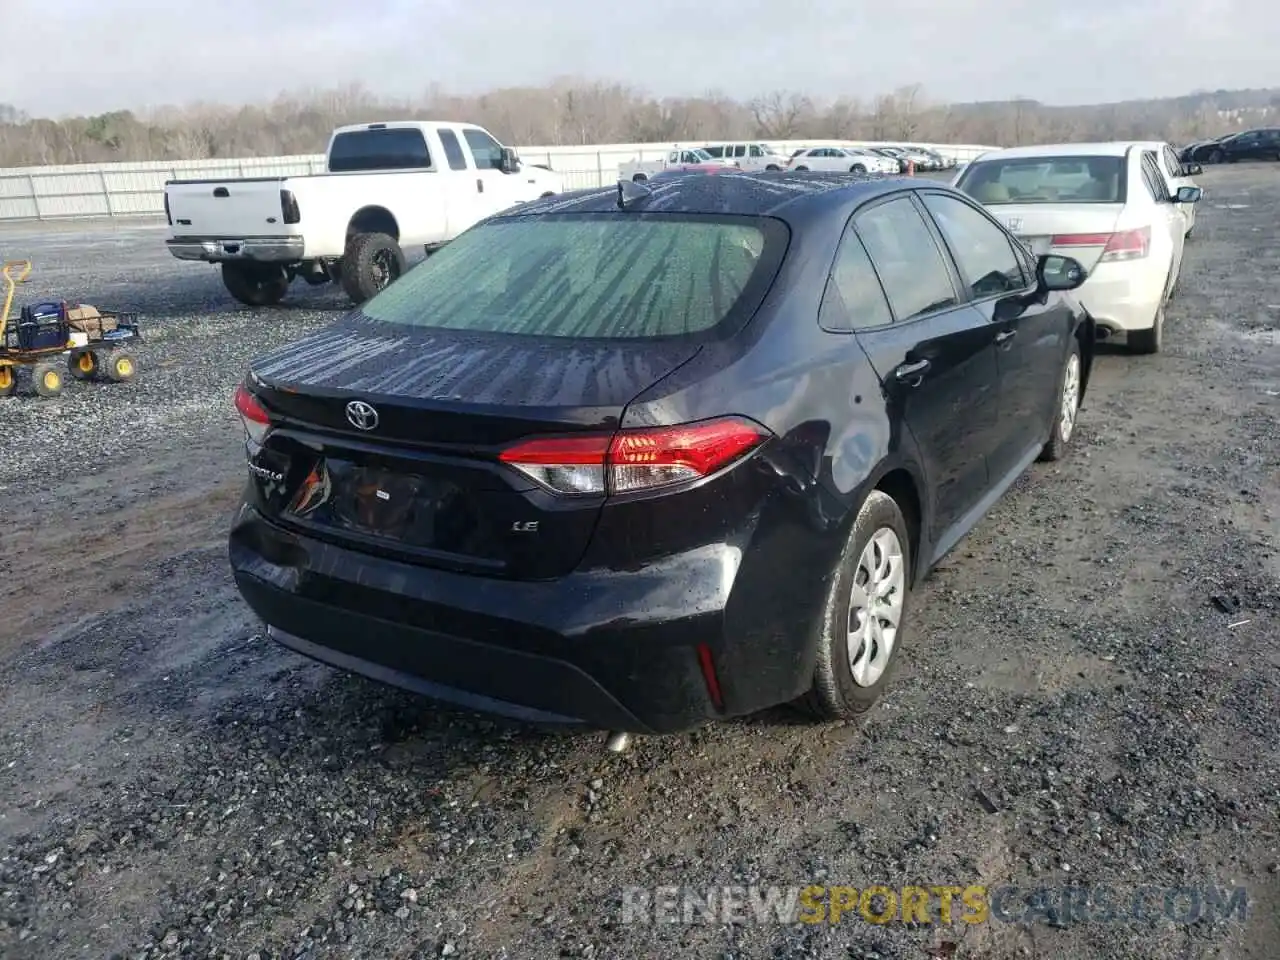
x,y
637,459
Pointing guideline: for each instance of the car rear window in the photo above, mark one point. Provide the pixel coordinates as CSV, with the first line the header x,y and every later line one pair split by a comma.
x,y
1080,179
395,148
600,276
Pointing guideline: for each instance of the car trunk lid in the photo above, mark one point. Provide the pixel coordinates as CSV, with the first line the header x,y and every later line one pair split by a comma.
x,y
1081,231
388,440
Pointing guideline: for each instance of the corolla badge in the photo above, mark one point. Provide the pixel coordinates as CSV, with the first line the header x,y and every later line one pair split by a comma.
x,y
361,415
1015,224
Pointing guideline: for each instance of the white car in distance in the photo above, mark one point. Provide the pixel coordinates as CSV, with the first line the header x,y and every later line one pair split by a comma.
x,y
1108,206
842,160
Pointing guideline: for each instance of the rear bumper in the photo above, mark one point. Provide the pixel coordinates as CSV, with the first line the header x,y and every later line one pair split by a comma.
x,y
222,249
602,649
1123,296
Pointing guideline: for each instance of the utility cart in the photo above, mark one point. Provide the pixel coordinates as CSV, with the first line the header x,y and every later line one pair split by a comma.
x,y
53,337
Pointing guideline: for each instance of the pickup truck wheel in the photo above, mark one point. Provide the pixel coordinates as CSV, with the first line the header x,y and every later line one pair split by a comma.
x,y
372,262
255,285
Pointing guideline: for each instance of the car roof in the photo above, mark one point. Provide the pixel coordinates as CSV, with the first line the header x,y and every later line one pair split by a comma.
x,y
1114,148
788,195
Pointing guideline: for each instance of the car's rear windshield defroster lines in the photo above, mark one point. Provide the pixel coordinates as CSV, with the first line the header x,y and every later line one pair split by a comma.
x,y
610,276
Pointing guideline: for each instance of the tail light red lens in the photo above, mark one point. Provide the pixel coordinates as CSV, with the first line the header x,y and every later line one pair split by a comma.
x,y
635,460
1122,245
256,420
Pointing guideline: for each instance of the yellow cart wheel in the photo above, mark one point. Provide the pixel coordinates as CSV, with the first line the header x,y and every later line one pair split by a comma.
x,y
121,366
8,381
83,364
47,379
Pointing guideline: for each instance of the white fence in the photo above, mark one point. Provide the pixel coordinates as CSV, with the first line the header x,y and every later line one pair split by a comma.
x,y
137,189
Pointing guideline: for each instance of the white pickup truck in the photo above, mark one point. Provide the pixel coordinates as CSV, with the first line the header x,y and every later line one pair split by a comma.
x,y
690,158
388,186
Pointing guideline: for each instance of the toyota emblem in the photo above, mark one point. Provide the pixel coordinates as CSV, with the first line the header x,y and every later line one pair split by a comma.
x,y
361,416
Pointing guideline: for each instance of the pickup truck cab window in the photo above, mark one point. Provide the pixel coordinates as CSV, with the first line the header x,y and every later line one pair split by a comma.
x,y
452,149
486,150
394,148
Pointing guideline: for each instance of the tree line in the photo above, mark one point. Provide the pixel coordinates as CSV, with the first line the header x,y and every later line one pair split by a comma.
x,y
583,112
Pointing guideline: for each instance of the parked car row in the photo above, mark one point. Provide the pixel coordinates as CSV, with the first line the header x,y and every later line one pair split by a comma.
x,y
1262,143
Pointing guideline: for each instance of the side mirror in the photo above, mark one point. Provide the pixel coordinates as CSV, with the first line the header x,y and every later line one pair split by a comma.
x,y
1059,273
1192,169
1188,195
510,160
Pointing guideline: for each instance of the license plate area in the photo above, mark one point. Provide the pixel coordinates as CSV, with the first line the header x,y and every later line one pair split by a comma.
x,y
409,509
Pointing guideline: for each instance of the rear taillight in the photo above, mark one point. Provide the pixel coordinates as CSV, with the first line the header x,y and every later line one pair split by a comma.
x,y
257,422
1128,245
633,460
1124,245
167,215
289,207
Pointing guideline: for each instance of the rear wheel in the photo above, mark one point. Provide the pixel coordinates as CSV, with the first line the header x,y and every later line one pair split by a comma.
x,y
1150,340
639,178
47,379
864,615
773,166
371,263
802,169
857,168
82,364
255,284
8,381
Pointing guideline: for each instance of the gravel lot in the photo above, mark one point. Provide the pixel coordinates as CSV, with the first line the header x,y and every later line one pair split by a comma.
x,y
1076,705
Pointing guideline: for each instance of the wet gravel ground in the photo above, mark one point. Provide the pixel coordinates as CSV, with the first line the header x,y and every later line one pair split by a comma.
x,y
1089,697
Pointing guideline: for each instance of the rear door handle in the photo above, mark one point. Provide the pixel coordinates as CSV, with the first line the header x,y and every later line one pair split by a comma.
x,y
479,186
1004,335
911,373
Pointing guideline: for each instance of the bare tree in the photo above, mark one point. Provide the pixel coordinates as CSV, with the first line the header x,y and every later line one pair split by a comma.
x,y
576,110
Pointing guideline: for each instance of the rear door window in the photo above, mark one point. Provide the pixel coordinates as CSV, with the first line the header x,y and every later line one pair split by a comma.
x,y
613,276
912,269
452,149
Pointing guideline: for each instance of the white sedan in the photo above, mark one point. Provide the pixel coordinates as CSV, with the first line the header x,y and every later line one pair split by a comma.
x,y
842,160
1107,205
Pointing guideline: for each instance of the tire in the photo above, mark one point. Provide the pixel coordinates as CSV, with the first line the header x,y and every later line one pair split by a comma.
x,y
371,263
773,167
47,379
857,168
639,178
83,364
1150,340
835,694
1068,405
121,366
802,169
8,381
255,285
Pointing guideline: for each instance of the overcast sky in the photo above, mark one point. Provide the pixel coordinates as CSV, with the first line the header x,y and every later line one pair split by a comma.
x,y
89,56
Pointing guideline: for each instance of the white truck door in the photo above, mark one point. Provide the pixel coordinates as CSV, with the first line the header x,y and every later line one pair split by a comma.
x,y
497,190
468,203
